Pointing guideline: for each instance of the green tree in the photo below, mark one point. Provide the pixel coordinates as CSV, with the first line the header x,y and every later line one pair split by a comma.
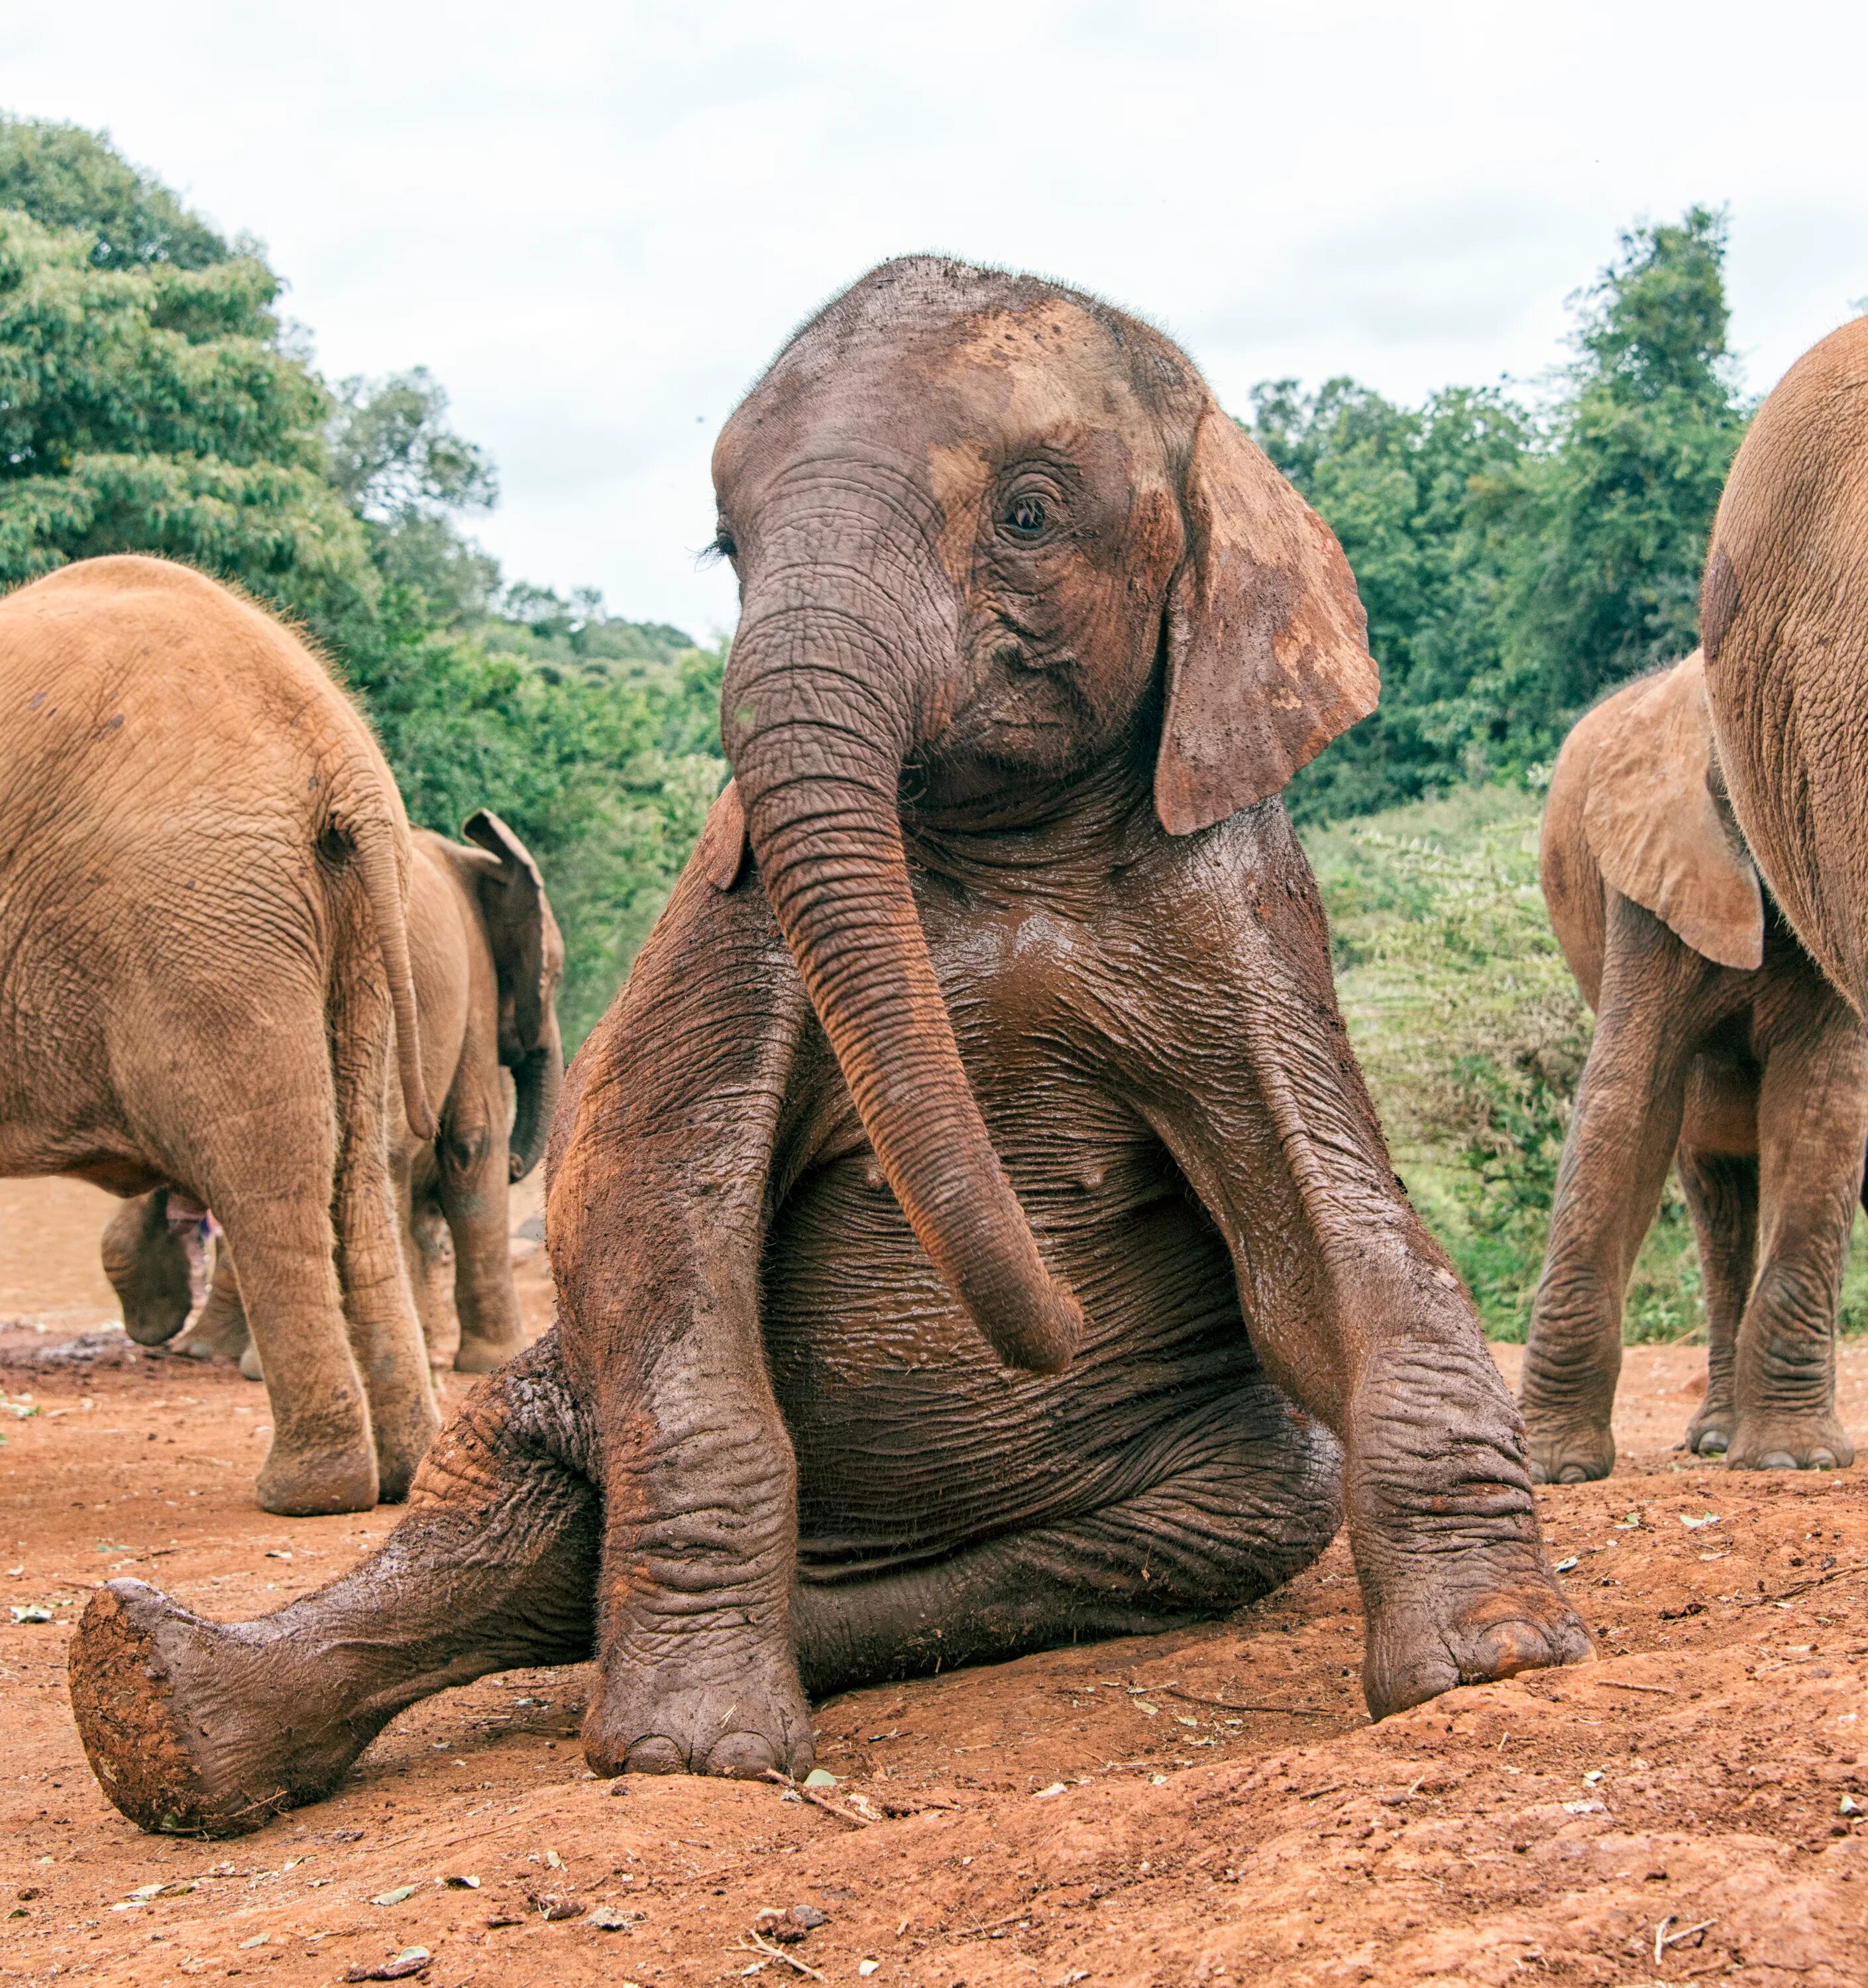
x,y
65,177
1408,492
1613,514
150,408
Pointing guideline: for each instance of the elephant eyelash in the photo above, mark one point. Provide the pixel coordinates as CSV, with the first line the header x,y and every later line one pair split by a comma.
x,y
721,546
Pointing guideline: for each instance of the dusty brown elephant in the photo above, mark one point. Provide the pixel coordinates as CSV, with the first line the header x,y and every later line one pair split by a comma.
x,y
970,1229
1784,618
486,958
1718,1042
202,891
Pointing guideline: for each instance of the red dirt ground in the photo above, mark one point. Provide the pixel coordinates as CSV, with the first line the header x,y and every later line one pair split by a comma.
x,y
1685,1808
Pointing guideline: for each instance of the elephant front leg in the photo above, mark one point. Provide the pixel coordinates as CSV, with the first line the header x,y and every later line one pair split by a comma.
x,y
1353,1310
656,1224
210,1729
1620,1143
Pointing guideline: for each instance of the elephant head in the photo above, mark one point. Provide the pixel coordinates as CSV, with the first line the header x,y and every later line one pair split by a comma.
x,y
156,1261
1658,822
997,548
528,959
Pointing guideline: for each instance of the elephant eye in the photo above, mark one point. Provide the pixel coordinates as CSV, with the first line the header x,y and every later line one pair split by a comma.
x,y
723,546
1027,516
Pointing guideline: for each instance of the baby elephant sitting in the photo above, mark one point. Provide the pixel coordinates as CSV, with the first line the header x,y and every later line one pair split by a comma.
x,y
970,1229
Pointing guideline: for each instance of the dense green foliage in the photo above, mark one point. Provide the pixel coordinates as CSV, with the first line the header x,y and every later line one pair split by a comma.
x,y
1517,561
149,401
1472,1035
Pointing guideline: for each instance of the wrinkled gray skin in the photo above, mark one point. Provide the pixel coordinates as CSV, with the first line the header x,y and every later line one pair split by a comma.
x,y
486,958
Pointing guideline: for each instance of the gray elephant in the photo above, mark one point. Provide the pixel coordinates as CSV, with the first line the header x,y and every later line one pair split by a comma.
x,y
486,957
1719,1044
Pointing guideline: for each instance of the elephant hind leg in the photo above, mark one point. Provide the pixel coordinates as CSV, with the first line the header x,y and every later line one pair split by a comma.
x,y
379,1305
201,1728
1256,1498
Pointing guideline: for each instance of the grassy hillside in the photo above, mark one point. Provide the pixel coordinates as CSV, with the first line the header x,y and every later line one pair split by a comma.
x,y
1473,1036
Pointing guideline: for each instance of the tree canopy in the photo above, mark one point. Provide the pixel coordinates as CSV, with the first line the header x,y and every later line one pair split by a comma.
x,y
1517,559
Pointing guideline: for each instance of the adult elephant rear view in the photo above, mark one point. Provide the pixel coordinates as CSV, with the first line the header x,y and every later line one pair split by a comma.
x,y
202,945
1783,620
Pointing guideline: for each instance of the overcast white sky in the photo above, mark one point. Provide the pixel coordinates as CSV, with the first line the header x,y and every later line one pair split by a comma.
x,y
595,222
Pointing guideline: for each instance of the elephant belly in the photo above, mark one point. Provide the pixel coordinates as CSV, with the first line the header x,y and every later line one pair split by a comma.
x,y
911,1439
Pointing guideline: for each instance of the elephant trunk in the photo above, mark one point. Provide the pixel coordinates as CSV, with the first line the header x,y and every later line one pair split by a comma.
x,y
537,1079
818,753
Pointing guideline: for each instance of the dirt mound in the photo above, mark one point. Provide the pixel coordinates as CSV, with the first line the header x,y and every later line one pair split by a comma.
x,y
1206,1807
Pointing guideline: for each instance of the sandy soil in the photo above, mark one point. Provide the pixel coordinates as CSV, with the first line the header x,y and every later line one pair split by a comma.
x,y
1206,1808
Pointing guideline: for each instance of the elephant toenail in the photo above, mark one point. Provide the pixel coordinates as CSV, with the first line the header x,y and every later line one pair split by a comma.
x,y
1573,1473
742,1756
1714,1442
655,1756
1821,1459
1777,1459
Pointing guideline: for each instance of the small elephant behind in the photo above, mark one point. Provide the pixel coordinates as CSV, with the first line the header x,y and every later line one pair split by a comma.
x,y
1719,1047
486,958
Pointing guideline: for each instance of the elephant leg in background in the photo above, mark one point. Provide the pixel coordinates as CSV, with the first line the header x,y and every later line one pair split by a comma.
x,y
219,1329
206,1728
322,1458
1812,1119
1722,1196
475,1189
428,1251
1658,1000
378,1306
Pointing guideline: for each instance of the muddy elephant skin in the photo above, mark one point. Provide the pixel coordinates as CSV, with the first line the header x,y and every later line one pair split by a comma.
x,y
202,892
1783,620
486,957
1719,1044
970,1229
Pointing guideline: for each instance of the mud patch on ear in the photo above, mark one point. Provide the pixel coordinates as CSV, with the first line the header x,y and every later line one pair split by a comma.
x,y
723,848
1718,605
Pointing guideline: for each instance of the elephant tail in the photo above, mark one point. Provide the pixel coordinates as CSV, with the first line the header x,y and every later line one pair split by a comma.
x,y
371,825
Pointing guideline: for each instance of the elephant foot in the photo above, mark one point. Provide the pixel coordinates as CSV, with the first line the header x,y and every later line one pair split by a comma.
x,y
316,1483
476,1355
752,1721
1766,1441
1567,1454
179,1738
1424,1645
1709,1433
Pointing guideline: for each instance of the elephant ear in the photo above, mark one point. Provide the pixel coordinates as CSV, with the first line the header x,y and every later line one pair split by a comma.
x,y
527,952
1268,655
1656,820
724,846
